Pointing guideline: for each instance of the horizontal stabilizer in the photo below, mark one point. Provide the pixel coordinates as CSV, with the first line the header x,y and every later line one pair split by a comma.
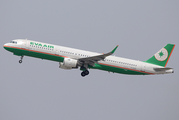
x,y
162,69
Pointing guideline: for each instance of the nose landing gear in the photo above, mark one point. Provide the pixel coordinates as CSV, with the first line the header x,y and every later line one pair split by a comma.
x,y
20,61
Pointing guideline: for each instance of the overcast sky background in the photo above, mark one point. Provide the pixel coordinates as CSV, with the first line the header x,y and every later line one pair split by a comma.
x,y
38,90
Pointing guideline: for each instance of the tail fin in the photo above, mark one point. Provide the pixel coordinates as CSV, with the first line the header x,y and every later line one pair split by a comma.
x,y
162,56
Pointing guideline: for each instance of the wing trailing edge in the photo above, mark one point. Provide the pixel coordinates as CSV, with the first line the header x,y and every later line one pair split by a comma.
x,y
94,59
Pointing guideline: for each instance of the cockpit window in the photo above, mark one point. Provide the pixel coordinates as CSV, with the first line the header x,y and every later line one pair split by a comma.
x,y
13,42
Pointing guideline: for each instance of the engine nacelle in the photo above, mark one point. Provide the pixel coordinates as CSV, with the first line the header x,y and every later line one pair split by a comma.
x,y
68,64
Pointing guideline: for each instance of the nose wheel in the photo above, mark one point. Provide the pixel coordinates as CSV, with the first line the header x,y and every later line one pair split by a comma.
x,y
20,61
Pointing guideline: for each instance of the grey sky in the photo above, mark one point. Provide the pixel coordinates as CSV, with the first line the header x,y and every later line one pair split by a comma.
x,y
38,89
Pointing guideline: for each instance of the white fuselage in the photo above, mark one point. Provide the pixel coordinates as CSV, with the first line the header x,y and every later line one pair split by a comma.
x,y
127,64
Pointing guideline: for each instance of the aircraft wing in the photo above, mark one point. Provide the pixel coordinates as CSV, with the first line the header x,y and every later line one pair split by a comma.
x,y
94,59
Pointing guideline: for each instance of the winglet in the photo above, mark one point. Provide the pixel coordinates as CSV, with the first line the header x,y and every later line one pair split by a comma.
x,y
114,49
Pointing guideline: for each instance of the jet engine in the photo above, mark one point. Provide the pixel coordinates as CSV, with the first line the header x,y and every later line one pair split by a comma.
x,y
68,63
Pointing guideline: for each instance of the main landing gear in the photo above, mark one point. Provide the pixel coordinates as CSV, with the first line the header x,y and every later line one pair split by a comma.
x,y
20,61
85,71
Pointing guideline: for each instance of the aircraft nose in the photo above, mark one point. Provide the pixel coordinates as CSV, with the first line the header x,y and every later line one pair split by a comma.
x,y
5,46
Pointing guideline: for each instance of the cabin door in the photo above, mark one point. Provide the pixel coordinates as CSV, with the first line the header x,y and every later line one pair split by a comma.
x,y
143,67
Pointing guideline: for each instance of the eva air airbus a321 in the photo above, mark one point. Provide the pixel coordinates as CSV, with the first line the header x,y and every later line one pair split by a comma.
x,y
70,58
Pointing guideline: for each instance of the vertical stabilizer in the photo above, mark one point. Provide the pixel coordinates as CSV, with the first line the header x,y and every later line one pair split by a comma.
x,y
162,56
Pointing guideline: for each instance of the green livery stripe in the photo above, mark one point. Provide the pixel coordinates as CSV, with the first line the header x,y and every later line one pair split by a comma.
x,y
118,69
59,58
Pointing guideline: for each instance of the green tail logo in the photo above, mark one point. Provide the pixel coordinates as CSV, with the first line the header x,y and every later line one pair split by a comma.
x,y
162,56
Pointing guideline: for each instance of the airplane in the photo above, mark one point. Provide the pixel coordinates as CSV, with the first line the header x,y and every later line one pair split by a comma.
x,y
70,58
